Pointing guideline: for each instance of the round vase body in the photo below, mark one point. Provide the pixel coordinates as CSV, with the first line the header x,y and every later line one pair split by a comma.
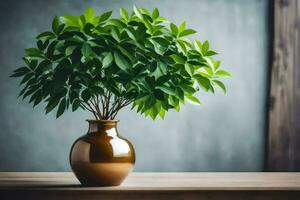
x,y
102,157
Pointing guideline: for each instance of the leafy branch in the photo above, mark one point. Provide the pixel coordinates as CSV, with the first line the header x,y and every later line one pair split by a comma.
x,y
102,64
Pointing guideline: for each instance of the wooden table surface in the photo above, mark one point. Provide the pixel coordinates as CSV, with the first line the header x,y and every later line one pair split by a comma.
x,y
206,186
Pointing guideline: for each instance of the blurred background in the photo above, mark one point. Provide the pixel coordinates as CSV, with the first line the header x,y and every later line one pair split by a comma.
x,y
224,133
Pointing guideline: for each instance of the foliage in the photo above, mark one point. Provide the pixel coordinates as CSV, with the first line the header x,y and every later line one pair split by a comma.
x,y
103,64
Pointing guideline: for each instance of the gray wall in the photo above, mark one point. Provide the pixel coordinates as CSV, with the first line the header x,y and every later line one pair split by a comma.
x,y
225,133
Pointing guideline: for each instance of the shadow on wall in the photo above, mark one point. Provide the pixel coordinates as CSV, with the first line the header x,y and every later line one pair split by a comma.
x,y
225,133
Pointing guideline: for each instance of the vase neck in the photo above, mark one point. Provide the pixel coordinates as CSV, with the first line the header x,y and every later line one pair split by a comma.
x,y
106,127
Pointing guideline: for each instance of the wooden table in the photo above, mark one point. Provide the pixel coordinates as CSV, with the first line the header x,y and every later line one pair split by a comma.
x,y
157,186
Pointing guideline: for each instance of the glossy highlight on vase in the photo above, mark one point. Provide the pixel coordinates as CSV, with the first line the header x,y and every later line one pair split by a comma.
x,y
102,157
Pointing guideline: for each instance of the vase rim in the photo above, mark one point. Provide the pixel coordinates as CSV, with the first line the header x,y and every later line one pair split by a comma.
x,y
102,120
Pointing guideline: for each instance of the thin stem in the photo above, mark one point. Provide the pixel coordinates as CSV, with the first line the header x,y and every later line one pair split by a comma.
x,y
107,105
90,109
109,109
105,100
96,108
102,102
85,107
125,103
115,105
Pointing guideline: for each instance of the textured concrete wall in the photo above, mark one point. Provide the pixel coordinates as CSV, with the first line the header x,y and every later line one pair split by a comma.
x,y
225,133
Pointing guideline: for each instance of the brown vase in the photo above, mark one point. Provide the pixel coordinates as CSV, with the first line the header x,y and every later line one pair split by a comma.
x,y
102,157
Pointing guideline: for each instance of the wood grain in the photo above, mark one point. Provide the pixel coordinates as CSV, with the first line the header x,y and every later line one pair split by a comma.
x,y
154,186
284,111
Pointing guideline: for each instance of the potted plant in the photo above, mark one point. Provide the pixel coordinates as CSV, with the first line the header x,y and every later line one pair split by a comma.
x,y
102,64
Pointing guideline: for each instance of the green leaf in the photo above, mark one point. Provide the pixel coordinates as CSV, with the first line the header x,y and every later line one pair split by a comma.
x,y
96,20
211,88
118,23
66,35
187,32
97,90
26,78
124,13
205,47
46,35
155,14
51,48
188,44
167,90
53,102
189,68
198,45
89,15
182,46
220,85
82,22
162,19
131,34
34,52
121,61
153,112
38,98
174,29
161,41
162,113
127,52
41,45
203,81
32,64
159,94
22,91
86,50
193,99
211,53
60,29
69,20
195,62
163,79
179,93
32,83
69,50
42,67
187,88
216,65
149,102
55,24
105,16
182,27
145,12
34,95
178,59
107,60
209,62
88,28
20,72
115,35
137,12
208,70
61,108
76,104
86,95
28,92
222,73
162,67
150,82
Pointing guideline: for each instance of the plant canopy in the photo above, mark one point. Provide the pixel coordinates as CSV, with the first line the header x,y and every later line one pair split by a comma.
x,y
102,64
